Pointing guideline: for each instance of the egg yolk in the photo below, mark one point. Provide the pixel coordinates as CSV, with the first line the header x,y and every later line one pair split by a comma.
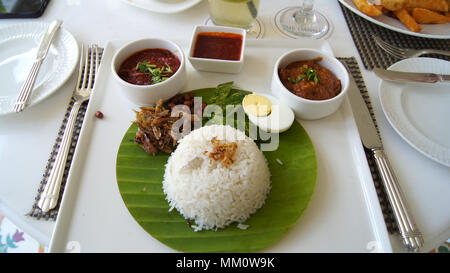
x,y
256,105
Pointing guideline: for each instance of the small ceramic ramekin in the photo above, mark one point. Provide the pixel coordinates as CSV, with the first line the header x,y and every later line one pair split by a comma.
x,y
306,108
216,65
150,94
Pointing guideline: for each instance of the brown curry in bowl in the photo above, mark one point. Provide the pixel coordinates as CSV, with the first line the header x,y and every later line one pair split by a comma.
x,y
149,66
309,80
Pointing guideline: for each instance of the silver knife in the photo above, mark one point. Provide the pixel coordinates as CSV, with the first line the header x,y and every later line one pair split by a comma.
x,y
27,87
392,75
409,232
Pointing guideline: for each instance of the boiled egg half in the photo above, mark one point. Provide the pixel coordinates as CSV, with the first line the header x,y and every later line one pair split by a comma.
x,y
268,113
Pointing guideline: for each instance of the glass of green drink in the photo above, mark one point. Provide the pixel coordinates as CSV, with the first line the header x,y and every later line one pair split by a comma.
x,y
236,13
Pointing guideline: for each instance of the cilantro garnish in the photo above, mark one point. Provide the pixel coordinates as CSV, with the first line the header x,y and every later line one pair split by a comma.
x,y
158,74
310,74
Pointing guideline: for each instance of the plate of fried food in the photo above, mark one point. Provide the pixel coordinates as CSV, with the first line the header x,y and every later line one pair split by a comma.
x,y
421,18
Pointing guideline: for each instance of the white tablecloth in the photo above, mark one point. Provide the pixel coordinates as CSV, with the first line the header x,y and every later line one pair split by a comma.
x,y
27,139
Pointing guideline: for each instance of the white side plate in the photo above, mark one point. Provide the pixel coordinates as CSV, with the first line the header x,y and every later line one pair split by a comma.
x,y
163,6
18,46
420,113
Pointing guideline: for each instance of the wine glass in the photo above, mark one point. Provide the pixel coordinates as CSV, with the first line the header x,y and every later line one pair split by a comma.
x,y
302,21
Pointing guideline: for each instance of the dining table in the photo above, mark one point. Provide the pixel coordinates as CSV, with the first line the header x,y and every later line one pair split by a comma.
x,y
27,138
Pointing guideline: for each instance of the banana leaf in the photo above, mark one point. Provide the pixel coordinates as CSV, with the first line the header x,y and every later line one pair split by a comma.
x,y
293,168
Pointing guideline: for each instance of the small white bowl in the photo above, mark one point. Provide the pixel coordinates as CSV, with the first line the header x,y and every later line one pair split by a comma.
x,y
217,65
150,94
305,108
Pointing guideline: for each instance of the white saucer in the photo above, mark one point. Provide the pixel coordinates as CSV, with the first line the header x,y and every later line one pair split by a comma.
x,y
18,45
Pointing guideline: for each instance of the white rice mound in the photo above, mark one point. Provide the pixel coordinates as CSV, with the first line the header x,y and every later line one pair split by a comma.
x,y
204,190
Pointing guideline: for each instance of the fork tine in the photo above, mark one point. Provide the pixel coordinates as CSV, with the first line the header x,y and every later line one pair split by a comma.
x,y
392,50
97,61
86,68
94,64
377,39
91,66
97,58
80,69
380,42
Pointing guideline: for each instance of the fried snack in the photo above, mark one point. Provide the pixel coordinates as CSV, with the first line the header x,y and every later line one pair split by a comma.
x,y
367,8
436,5
155,125
379,7
425,16
393,4
407,20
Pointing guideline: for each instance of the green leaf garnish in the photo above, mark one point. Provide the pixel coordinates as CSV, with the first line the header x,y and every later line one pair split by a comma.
x,y
168,69
301,77
221,93
158,74
310,74
225,94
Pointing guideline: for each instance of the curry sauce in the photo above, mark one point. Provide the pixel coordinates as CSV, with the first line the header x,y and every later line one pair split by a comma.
x,y
309,80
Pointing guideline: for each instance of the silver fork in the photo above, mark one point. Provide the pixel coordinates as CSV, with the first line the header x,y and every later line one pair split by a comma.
x,y
89,62
403,53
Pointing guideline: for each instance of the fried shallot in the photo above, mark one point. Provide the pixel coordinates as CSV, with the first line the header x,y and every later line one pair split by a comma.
x,y
223,151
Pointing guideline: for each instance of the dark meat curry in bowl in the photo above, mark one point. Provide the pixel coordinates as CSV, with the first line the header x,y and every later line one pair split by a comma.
x,y
310,80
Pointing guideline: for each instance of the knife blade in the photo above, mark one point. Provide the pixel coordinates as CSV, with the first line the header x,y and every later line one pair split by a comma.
x,y
411,236
392,75
41,53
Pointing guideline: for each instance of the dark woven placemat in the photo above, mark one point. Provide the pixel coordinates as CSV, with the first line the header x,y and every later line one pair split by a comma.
x,y
373,56
35,211
389,217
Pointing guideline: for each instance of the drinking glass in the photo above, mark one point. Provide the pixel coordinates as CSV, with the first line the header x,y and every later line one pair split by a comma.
x,y
236,13
302,21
